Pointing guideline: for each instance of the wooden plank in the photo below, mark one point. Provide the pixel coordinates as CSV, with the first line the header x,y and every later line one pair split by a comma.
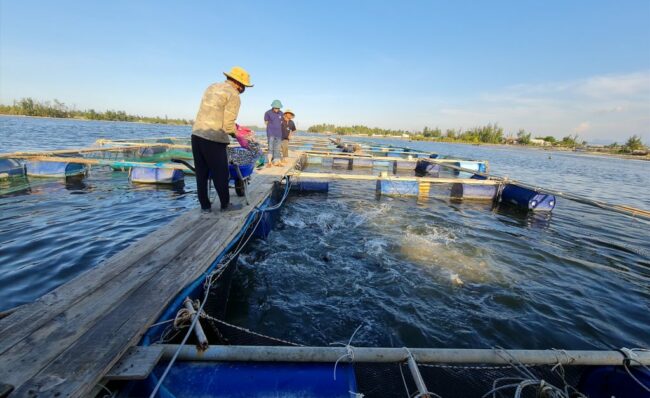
x,y
136,364
21,361
84,362
30,317
363,177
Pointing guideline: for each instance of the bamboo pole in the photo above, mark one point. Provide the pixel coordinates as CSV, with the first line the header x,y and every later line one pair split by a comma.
x,y
112,163
385,355
361,177
389,158
30,154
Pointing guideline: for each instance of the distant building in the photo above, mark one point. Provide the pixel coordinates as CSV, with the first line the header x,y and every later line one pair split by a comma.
x,y
537,141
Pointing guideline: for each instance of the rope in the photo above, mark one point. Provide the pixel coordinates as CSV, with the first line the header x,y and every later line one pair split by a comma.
x,y
349,350
209,279
628,357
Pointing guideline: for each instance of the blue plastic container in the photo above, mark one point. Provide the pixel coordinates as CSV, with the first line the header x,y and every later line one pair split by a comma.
x,y
404,165
342,162
245,169
476,166
54,169
473,192
382,164
311,186
614,381
527,199
397,188
251,379
155,175
11,168
362,162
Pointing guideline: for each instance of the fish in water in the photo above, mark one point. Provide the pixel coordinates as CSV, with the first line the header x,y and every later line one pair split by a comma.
x,y
446,257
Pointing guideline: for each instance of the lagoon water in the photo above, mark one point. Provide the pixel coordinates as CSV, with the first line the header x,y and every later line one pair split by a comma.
x,y
433,273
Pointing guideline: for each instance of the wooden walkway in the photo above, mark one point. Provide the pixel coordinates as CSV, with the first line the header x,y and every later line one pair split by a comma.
x,y
64,343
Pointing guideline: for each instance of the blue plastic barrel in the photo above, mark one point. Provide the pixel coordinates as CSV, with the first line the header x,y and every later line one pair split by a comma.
x,y
362,162
311,186
251,379
614,381
397,188
404,165
527,198
476,166
382,164
342,162
54,169
11,168
155,175
473,192
427,169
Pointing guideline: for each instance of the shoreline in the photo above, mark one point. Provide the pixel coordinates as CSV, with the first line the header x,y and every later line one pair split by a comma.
x,y
93,120
507,146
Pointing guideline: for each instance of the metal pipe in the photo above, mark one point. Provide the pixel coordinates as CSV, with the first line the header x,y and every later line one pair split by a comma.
x,y
421,355
417,377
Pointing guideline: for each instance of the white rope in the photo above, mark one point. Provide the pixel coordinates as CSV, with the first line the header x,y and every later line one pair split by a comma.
x,y
208,286
349,350
630,356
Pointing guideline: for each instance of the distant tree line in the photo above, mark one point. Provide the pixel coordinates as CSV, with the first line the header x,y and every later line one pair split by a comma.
x,y
357,129
56,108
491,133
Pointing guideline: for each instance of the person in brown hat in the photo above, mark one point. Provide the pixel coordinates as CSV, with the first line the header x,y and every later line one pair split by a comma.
x,y
214,124
288,128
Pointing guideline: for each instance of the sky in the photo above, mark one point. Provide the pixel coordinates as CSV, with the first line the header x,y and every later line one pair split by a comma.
x,y
550,67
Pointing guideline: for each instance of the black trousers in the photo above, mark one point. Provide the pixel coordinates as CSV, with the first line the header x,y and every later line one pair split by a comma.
x,y
211,161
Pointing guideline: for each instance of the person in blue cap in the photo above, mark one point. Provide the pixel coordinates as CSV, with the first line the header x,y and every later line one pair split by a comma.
x,y
273,121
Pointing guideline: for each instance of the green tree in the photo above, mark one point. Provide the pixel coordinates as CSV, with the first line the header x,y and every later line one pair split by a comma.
x,y
633,143
523,137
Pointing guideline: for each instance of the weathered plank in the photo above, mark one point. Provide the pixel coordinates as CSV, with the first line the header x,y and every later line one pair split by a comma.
x,y
22,361
73,347
136,364
17,325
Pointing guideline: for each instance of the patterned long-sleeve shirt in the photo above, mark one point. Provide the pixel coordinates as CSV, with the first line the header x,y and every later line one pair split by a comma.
x,y
217,113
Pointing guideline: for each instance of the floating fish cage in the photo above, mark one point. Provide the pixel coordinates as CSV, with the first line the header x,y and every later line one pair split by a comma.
x,y
11,168
206,356
55,169
155,175
220,359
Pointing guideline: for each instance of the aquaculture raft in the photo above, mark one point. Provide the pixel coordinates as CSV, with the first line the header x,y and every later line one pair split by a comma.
x,y
100,330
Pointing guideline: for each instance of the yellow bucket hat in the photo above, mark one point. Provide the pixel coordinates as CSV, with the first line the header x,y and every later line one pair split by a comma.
x,y
239,74
290,111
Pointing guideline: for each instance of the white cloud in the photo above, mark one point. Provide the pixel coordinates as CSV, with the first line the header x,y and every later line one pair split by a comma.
x,y
608,107
582,127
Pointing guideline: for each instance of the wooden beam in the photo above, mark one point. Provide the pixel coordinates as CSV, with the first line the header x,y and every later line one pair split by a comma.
x,y
362,177
136,364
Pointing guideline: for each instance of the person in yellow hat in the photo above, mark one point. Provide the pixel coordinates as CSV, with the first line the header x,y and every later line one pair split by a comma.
x,y
213,126
288,128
